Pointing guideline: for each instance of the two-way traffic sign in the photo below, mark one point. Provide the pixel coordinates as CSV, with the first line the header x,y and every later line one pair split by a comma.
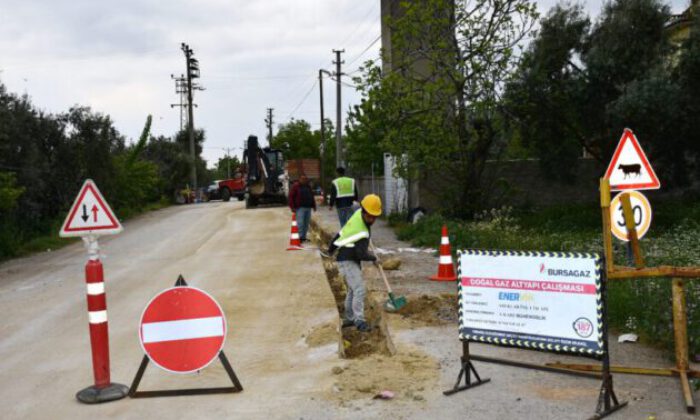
x,y
90,214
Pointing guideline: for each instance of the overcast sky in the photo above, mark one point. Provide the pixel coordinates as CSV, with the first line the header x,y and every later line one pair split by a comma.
x,y
117,58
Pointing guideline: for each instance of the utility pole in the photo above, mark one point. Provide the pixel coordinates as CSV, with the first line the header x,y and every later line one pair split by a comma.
x,y
339,127
192,65
228,162
181,89
268,122
323,128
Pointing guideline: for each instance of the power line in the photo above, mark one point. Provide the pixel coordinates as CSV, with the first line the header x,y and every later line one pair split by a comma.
x,y
364,20
302,100
365,50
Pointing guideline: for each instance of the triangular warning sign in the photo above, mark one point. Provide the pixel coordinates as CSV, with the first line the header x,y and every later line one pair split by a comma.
x,y
90,214
629,168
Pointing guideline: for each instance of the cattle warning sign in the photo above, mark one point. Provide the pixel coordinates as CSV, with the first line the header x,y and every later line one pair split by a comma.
x,y
182,329
538,300
629,168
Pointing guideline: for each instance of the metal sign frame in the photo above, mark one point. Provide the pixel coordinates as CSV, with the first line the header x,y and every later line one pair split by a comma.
x,y
134,393
607,403
524,342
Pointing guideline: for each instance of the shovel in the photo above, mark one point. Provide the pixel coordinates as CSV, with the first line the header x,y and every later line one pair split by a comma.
x,y
393,304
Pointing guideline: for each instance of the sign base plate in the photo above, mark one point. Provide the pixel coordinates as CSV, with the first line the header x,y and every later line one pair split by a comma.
x,y
94,395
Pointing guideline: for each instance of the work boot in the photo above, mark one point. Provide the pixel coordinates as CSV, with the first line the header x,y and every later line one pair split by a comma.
x,y
362,326
347,323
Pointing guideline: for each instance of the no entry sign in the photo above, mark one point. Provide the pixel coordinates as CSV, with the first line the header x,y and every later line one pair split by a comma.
x,y
182,329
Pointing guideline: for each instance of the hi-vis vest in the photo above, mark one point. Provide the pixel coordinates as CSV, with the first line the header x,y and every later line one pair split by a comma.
x,y
345,186
354,230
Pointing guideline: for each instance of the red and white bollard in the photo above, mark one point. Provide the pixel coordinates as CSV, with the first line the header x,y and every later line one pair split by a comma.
x,y
103,390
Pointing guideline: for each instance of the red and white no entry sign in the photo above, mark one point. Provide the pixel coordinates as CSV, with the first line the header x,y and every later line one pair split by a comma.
x,y
182,329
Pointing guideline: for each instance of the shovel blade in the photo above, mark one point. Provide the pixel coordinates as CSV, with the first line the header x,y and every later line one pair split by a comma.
x,y
396,302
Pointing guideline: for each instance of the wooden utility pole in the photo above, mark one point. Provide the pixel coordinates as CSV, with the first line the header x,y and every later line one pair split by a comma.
x,y
192,73
269,122
339,126
323,128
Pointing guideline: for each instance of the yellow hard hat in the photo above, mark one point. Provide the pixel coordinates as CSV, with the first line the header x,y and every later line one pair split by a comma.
x,y
372,204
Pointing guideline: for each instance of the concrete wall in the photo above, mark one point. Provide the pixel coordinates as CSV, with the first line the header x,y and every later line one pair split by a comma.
x,y
522,183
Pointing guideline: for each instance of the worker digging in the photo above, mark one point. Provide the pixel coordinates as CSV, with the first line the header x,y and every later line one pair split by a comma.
x,y
352,244
343,195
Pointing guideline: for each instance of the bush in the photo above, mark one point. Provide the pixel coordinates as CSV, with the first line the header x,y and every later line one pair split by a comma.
x,y
640,305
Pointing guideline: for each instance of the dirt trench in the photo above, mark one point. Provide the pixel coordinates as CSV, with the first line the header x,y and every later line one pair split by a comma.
x,y
352,343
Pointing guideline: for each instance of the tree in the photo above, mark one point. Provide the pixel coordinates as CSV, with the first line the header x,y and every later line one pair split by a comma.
x,y
225,167
297,141
579,85
364,133
438,106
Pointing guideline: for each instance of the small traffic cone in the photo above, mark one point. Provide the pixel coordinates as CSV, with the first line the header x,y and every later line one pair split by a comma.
x,y
446,270
294,242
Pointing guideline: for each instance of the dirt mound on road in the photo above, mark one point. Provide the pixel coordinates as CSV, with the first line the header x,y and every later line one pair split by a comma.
x,y
431,310
322,334
408,374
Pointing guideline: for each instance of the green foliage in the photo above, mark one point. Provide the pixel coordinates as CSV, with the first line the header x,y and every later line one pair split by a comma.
x,y
438,107
642,305
9,191
225,168
579,85
298,141
44,160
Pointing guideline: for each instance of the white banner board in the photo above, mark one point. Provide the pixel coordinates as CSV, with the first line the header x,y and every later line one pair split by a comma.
x,y
538,300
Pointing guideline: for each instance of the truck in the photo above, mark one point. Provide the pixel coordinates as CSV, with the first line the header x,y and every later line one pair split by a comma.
x,y
265,174
235,186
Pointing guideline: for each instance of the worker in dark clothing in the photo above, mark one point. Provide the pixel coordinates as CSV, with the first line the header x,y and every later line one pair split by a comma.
x,y
301,202
343,194
352,244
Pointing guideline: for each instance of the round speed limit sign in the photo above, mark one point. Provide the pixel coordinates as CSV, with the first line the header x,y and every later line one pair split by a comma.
x,y
641,210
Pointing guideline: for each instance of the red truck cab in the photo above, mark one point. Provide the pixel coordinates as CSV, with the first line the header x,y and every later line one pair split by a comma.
x,y
233,187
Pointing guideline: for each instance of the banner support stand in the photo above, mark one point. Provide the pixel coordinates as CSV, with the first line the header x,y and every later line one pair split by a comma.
x,y
607,400
466,371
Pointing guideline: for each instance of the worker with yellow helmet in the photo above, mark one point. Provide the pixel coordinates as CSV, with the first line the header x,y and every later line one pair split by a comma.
x,y
352,243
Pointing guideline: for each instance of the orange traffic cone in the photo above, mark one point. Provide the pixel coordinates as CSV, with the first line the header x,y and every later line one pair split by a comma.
x,y
294,242
446,270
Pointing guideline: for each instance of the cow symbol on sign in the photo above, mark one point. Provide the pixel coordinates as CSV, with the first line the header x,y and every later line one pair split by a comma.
x,y
627,170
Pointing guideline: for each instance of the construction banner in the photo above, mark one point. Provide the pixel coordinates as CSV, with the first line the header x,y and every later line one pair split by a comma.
x,y
537,300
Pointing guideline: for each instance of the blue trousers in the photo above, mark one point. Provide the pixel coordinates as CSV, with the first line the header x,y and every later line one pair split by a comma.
x,y
303,218
344,214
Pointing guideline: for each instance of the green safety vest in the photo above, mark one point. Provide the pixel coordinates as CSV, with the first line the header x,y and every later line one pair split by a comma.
x,y
345,186
354,230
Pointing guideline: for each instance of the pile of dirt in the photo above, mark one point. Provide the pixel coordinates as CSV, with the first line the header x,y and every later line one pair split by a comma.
x,y
322,334
431,310
408,374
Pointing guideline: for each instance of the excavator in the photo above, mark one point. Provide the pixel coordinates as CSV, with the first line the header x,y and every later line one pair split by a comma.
x,y
266,178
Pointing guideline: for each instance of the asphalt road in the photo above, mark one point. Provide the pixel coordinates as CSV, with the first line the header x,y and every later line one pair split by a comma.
x,y
273,299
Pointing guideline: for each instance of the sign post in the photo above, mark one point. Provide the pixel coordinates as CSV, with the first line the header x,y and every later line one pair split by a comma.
x,y
89,217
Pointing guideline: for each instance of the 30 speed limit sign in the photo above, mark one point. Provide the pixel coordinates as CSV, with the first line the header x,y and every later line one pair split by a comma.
x,y
641,210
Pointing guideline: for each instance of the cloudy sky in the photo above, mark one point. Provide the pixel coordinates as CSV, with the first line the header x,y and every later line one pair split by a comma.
x,y
117,58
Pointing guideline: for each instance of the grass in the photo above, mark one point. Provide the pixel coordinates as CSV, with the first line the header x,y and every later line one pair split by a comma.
x,y
639,305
